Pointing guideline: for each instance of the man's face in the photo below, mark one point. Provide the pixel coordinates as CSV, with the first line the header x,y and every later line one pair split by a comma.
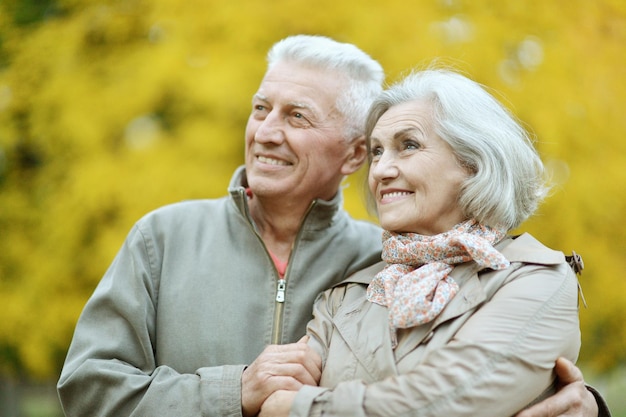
x,y
294,140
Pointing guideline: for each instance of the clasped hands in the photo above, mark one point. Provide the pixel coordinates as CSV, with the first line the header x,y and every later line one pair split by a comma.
x,y
270,383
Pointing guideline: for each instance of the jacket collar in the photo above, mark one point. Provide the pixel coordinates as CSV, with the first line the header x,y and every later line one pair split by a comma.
x,y
320,215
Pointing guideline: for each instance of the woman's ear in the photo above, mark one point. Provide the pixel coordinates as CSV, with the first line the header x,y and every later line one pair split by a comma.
x,y
357,154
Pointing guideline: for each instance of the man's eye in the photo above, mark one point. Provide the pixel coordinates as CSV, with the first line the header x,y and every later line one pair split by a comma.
x,y
376,151
259,107
299,120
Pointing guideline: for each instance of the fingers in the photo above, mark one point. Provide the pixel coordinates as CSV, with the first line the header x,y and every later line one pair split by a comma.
x,y
550,407
571,400
567,372
278,404
312,362
278,367
309,364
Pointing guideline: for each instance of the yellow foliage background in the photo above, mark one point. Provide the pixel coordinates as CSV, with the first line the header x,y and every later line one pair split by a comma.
x,y
111,108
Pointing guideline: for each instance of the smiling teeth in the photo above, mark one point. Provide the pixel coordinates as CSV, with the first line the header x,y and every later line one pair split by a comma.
x,y
271,161
396,194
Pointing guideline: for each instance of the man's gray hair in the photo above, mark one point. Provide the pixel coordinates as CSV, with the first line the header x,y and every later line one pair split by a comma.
x,y
364,76
507,182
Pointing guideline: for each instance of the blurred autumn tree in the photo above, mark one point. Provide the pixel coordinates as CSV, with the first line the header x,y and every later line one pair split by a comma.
x,y
111,108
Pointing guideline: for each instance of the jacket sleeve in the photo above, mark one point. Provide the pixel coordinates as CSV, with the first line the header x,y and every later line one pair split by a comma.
x,y
498,362
603,407
111,370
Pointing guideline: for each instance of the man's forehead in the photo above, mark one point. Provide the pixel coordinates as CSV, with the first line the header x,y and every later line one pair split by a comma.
x,y
306,104
301,84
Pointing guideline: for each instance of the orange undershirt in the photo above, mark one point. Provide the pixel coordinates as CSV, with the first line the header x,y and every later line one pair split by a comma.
x,y
281,266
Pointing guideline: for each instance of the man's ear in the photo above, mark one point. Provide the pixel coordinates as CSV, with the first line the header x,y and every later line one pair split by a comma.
x,y
357,154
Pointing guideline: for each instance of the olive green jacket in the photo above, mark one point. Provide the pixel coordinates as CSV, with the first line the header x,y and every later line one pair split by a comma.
x,y
191,299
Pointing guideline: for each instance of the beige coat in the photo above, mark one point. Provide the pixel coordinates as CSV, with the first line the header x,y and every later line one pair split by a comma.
x,y
491,352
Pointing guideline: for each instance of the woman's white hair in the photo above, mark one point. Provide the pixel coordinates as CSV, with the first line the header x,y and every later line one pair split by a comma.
x,y
364,76
507,181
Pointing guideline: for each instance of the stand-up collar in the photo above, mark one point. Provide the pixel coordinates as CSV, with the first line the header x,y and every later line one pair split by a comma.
x,y
319,216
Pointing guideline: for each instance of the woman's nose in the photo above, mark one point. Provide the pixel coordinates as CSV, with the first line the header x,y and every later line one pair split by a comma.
x,y
384,168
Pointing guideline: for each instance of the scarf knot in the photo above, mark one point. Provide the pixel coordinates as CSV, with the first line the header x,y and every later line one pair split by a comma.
x,y
415,286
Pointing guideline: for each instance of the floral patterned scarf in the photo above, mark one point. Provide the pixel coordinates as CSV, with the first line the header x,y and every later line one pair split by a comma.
x,y
415,286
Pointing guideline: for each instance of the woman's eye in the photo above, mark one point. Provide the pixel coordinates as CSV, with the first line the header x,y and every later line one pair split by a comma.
x,y
411,145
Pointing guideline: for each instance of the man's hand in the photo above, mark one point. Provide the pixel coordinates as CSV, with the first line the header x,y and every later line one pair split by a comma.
x,y
278,367
278,404
572,398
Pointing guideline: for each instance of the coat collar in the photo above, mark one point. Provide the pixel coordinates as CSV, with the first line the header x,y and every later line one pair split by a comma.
x,y
524,248
373,345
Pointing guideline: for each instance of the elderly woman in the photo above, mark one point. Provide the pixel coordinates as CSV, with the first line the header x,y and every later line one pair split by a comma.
x,y
460,318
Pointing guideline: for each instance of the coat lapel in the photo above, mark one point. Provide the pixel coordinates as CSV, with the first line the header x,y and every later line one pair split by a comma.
x,y
364,328
470,295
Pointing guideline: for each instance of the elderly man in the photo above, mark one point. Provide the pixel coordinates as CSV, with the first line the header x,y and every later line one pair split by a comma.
x,y
199,313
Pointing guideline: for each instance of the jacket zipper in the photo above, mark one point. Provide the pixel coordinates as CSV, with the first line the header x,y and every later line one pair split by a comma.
x,y
280,290
281,286
281,283
277,333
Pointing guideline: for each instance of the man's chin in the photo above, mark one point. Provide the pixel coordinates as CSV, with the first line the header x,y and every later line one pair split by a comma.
x,y
266,187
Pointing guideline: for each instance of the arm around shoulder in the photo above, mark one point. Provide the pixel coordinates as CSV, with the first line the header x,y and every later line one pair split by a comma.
x,y
603,407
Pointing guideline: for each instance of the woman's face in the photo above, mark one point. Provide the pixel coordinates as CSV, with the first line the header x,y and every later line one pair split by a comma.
x,y
414,176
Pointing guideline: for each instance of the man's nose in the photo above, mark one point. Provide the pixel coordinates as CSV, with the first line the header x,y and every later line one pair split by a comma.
x,y
270,130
